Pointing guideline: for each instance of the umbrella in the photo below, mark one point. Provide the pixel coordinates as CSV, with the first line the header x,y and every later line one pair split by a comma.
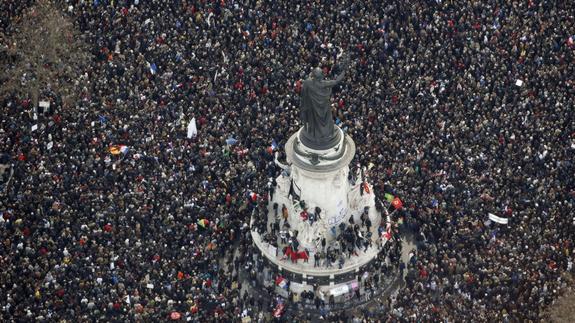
x,y
231,141
115,150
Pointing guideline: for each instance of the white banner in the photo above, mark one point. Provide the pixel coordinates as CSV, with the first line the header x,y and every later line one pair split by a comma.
x,y
497,219
192,129
340,290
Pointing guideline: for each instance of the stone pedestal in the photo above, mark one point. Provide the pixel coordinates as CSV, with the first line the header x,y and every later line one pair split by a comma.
x,y
321,179
323,143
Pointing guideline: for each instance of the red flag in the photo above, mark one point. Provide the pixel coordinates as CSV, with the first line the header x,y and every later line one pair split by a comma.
x,y
366,187
397,204
387,235
278,311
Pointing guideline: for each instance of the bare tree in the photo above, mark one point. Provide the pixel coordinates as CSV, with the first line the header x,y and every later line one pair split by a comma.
x,y
563,308
44,52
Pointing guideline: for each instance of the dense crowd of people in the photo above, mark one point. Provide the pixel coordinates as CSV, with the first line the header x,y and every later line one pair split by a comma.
x,y
461,109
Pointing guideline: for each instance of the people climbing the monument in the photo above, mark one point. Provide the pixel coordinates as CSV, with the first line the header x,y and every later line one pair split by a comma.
x,y
449,102
317,258
285,213
304,215
283,236
311,218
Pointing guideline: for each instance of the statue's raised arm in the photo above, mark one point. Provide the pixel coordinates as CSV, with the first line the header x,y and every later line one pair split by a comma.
x,y
318,130
343,67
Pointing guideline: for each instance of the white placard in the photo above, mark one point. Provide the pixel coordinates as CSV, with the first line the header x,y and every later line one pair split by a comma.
x,y
44,104
272,250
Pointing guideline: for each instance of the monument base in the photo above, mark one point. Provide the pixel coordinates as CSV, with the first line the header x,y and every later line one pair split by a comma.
x,y
325,143
320,178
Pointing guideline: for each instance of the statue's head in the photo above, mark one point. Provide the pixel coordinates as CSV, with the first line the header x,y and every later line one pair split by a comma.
x,y
317,73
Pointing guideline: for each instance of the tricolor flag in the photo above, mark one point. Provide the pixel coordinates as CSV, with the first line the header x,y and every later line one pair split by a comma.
x,y
281,282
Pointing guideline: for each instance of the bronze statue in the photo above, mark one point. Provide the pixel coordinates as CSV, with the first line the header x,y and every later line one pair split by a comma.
x,y
318,130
